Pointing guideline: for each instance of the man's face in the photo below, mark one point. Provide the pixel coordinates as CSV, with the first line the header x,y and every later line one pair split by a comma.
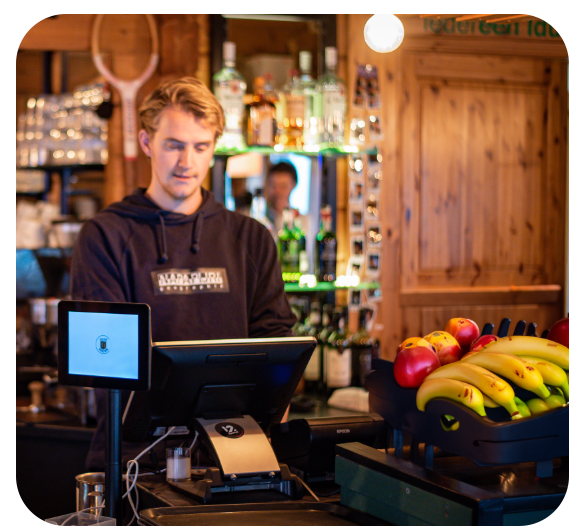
x,y
180,150
278,189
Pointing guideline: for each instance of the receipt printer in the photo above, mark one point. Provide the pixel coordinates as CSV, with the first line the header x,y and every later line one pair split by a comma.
x,y
308,445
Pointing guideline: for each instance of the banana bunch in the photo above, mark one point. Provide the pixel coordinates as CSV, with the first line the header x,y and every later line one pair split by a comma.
x,y
522,345
458,391
490,385
538,365
511,367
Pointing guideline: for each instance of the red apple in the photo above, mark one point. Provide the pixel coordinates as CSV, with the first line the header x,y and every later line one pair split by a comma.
x,y
447,347
412,365
559,332
480,342
464,330
414,341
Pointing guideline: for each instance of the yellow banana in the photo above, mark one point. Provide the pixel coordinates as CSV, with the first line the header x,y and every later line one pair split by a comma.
x,y
487,382
489,403
532,346
458,391
511,367
552,374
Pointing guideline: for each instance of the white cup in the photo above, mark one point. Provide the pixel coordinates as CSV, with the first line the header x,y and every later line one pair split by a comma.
x,y
178,463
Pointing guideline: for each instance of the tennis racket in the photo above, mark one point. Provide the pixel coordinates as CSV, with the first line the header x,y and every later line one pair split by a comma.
x,y
128,92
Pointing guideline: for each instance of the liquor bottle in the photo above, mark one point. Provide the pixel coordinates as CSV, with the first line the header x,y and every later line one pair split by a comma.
x,y
261,122
301,328
291,108
307,86
272,95
303,256
364,348
326,248
338,355
289,248
313,371
325,332
229,88
259,211
332,91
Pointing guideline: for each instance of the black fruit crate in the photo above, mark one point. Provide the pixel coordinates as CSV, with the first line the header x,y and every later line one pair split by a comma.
x,y
481,439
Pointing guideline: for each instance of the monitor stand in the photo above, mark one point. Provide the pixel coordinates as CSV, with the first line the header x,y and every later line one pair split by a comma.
x,y
245,461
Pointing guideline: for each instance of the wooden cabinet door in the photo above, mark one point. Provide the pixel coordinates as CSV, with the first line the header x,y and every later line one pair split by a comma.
x,y
483,189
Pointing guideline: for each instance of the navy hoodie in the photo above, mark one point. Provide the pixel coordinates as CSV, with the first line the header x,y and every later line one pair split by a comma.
x,y
210,275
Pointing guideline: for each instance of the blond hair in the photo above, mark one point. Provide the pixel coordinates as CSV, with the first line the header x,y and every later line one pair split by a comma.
x,y
188,94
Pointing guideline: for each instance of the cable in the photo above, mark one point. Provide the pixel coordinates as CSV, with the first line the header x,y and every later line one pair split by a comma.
x,y
307,487
134,462
329,494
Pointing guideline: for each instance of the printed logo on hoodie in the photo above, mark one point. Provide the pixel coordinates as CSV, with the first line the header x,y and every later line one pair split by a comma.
x,y
186,281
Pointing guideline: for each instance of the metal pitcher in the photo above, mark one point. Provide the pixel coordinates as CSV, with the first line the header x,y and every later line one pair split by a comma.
x,y
90,491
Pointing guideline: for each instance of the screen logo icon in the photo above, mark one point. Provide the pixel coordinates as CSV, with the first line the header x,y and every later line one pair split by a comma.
x,y
229,430
102,344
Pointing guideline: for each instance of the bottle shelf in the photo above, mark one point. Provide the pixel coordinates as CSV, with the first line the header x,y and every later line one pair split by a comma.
x,y
58,167
327,152
328,286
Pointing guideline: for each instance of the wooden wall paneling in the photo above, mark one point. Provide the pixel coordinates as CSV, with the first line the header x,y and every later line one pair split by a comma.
x,y
203,71
495,137
556,159
419,322
410,177
59,32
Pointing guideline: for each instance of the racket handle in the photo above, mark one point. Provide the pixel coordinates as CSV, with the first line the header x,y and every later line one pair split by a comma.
x,y
129,179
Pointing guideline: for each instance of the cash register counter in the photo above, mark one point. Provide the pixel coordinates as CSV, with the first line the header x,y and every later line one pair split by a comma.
x,y
374,487
46,440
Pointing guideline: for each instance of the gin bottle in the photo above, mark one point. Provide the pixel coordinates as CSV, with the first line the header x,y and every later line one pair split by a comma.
x,y
333,103
307,86
229,88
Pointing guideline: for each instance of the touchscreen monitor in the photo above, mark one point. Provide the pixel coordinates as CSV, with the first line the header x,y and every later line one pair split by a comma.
x,y
104,345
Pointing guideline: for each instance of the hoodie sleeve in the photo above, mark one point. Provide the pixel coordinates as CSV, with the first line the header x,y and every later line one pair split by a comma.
x,y
95,272
270,314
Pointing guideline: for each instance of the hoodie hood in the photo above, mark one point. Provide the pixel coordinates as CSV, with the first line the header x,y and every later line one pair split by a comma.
x,y
138,206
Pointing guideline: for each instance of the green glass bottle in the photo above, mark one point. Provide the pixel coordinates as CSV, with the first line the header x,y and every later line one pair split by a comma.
x,y
338,354
313,371
289,248
326,248
326,330
364,348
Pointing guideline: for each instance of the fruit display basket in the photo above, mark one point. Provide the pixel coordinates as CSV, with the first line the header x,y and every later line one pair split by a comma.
x,y
483,440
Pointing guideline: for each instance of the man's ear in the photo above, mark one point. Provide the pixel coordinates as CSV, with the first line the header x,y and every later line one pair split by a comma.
x,y
144,142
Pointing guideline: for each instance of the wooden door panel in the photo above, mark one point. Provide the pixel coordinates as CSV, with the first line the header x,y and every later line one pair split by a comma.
x,y
483,191
482,172
481,167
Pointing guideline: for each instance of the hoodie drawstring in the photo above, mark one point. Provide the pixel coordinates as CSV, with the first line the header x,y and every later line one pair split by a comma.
x,y
163,249
197,233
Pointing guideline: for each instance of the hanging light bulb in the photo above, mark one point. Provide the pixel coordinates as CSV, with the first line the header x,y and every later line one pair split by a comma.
x,y
384,33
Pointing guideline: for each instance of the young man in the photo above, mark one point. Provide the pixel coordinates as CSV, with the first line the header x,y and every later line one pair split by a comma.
x,y
281,180
206,272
